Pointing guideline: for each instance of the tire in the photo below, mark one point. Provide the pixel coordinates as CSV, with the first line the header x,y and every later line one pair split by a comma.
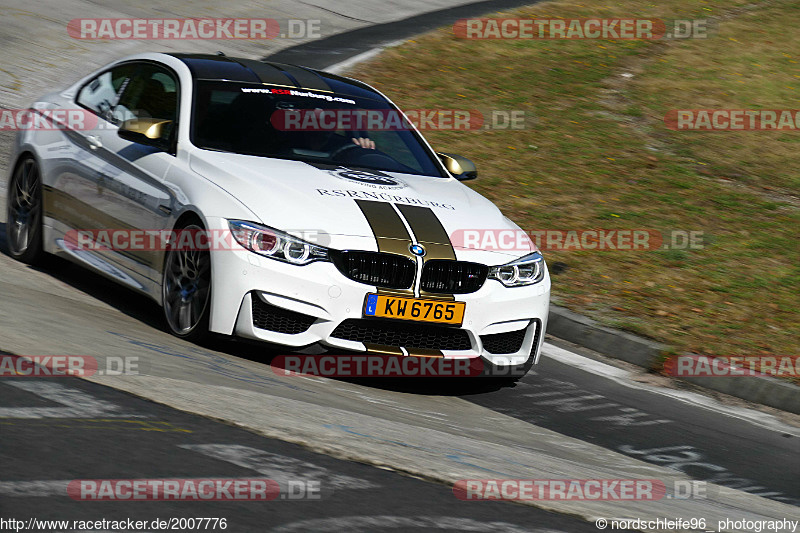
x,y
24,213
186,289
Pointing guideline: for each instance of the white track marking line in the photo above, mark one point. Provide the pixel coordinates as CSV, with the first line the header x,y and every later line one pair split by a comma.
x,y
78,404
280,468
623,377
343,66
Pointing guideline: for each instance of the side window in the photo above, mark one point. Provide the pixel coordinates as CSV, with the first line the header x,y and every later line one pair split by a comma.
x,y
102,93
151,93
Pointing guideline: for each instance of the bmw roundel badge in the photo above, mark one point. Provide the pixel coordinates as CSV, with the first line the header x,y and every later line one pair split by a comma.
x,y
417,249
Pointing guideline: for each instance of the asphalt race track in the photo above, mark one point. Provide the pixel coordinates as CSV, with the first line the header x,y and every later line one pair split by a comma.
x,y
384,454
170,443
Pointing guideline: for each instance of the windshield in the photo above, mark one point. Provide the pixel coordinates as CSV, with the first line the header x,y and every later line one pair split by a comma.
x,y
305,125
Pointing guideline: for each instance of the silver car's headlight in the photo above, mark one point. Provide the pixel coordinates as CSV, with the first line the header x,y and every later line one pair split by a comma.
x,y
523,271
276,244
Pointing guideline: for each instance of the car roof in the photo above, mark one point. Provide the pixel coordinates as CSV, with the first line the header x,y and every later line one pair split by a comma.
x,y
237,69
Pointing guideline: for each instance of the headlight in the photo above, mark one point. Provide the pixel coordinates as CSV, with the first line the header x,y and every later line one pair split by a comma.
x,y
276,244
524,271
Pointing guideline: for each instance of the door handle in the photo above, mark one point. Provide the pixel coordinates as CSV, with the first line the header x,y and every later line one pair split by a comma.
x,y
94,142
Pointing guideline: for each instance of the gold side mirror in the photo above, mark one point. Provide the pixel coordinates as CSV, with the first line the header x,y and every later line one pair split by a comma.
x,y
150,131
460,167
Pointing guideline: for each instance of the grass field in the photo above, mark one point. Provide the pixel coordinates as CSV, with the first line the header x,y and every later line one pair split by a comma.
x,y
597,154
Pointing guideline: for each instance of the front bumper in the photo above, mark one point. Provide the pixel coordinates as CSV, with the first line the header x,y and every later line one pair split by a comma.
x,y
298,306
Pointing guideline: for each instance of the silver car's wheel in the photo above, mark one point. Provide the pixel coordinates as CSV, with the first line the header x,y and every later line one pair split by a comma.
x,y
24,220
187,289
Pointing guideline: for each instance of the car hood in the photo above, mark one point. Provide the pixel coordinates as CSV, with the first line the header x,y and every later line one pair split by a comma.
x,y
321,202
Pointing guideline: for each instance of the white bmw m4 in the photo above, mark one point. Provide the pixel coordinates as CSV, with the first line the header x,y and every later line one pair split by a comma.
x,y
346,239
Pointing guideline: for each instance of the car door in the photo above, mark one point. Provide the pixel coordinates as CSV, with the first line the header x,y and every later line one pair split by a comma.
x,y
74,202
132,190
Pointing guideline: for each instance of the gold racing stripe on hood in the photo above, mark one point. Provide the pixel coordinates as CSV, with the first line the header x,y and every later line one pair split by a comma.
x,y
390,233
431,234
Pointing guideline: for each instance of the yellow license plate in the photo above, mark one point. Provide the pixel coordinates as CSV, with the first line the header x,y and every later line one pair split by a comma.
x,y
380,305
